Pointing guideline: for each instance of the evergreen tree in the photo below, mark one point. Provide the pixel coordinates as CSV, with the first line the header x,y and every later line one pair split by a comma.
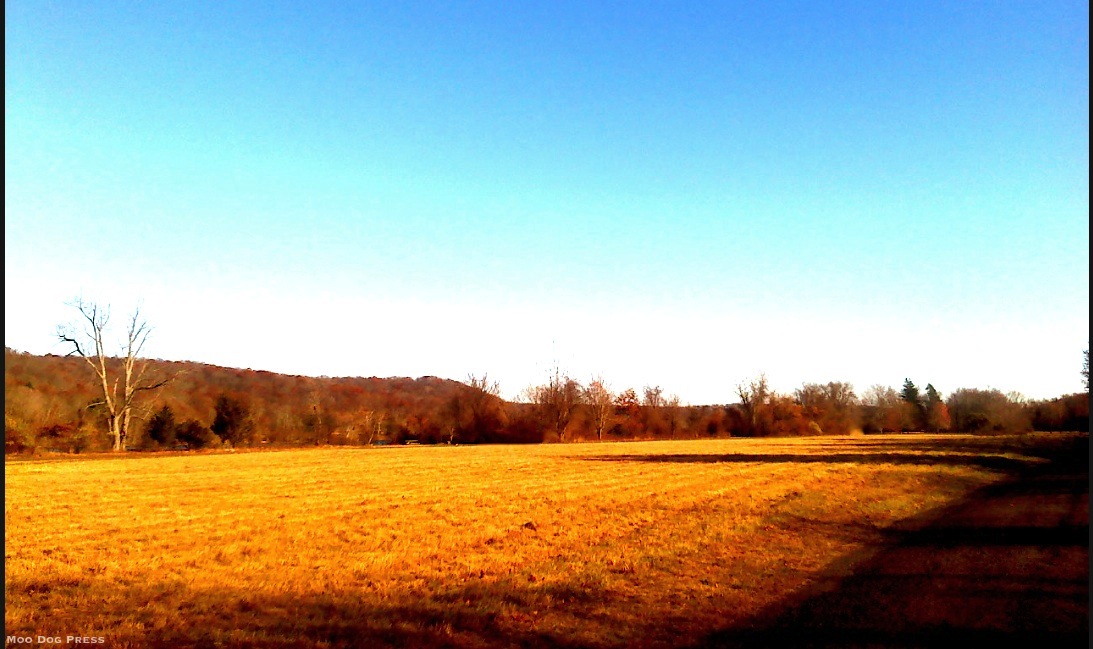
x,y
162,429
916,411
909,393
937,413
232,422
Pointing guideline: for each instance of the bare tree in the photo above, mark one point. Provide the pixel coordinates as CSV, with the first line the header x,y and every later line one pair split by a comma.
x,y
366,425
652,397
832,406
883,404
556,401
653,415
476,412
755,402
1085,368
676,415
976,411
601,405
87,338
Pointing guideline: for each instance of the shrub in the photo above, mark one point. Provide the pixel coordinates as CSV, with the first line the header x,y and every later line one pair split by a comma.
x,y
194,435
16,437
986,411
161,430
232,423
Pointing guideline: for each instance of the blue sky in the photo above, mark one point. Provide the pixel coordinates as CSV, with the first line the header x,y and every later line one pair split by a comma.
x,y
673,194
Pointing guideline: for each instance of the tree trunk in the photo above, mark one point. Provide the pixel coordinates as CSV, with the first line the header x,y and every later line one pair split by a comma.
x,y
119,436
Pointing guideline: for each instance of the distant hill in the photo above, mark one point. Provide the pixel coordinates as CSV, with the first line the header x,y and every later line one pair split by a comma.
x,y
50,404
52,394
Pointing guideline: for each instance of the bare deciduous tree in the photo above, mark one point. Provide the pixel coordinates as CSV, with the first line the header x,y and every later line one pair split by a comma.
x,y
601,405
87,338
884,404
652,397
832,406
676,416
476,413
365,425
755,402
1085,368
556,401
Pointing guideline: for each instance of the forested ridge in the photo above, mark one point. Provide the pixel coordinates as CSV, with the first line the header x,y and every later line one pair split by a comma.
x,y
53,403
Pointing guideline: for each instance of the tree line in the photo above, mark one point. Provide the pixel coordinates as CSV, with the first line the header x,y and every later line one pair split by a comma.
x,y
91,401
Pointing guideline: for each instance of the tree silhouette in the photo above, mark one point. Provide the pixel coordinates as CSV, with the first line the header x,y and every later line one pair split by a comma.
x,y
161,429
87,338
232,423
915,407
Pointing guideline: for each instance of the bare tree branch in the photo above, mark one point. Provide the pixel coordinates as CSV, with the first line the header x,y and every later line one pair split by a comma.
x,y
93,325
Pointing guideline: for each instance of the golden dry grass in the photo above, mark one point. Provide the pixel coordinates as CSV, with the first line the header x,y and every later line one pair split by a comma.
x,y
600,545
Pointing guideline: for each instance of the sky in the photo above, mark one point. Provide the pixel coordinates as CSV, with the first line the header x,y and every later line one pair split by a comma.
x,y
682,195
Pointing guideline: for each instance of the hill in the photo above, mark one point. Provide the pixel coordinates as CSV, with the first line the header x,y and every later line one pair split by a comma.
x,y
49,403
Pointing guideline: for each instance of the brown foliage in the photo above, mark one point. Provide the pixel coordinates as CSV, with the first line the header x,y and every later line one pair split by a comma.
x,y
286,410
1070,412
832,407
987,411
47,408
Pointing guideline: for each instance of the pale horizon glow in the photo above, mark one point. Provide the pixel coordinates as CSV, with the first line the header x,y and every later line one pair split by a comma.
x,y
860,193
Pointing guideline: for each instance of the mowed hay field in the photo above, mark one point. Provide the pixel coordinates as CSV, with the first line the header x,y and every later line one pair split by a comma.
x,y
599,545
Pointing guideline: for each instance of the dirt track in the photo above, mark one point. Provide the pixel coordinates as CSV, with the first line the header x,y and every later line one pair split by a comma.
x,y
1011,562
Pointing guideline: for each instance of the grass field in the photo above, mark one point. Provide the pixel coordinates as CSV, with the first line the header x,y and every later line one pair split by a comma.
x,y
601,545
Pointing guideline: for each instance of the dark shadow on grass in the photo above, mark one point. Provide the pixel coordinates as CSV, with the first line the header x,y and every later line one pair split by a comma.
x,y
1005,453
1061,536
994,462
1008,563
481,615
1058,447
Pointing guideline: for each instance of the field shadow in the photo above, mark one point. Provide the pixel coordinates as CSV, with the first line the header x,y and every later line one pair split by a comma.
x,y
993,462
253,619
1009,562
987,453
